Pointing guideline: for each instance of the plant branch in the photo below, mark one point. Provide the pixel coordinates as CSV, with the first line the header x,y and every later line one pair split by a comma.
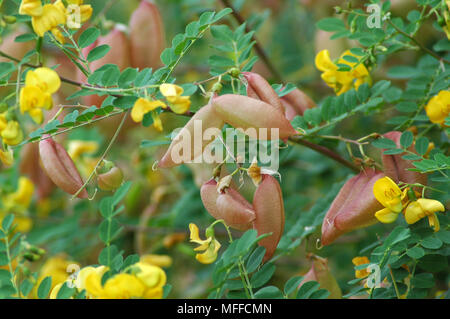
x,y
324,151
259,50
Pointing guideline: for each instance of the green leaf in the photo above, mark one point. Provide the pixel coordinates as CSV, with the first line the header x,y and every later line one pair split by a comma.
x,y
292,284
7,222
65,292
384,143
402,72
431,242
255,259
147,143
307,289
44,288
269,292
26,37
121,192
433,263
422,145
331,24
166,290
98,52
263,275
415,252
88,37
397,235
406,139
320,294
424,280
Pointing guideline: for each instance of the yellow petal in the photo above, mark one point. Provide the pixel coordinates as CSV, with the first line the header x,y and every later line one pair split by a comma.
x,y
170,90
37,115
86,12
431,206
360,260
55,290
12,134
51,17
386,216
434,222
7,157
143,106
323,61
77,148
435,110
180,104
31,7
414,213
157,124
47,79
388,194
210,255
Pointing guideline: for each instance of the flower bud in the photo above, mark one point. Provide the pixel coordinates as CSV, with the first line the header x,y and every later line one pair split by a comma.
x,y
147,39
258,88
354,206
295,103
397,168
320,272
60,168
228,205
188,141
247,113
111,180
269,210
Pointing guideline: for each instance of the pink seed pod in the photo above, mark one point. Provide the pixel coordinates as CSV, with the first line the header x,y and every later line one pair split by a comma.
x,y
295,103
354,207
189,136
147,37
258,88
321,273
119,54
60,168
251,115
230,206
397,168
269,209
110,180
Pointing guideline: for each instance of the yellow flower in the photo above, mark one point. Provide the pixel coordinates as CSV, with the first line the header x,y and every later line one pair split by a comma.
x,y
357,261
157,260
438,108
7,157
31,7
341,81
24,193
422,208
51,17
210,246
78,147
179,104
123,286
153,278
40,84
390,196
89,278
12,134
143,106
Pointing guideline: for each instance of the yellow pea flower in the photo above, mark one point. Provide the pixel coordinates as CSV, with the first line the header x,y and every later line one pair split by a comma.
x,y
89,279
24,193
154,279
12,134
143,106
341,81
438,108
179,104
123,286
390,196
7,157
51,17
357,261
40,84
422,208
210,246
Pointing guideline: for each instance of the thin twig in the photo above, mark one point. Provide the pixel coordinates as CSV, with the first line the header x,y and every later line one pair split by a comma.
x,y
259,50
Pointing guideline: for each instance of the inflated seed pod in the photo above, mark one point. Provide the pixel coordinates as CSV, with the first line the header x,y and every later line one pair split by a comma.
x,y
259,88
